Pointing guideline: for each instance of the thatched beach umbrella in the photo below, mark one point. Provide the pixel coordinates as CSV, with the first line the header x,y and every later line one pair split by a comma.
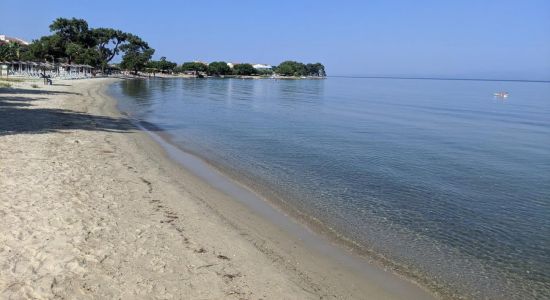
x,y
4,66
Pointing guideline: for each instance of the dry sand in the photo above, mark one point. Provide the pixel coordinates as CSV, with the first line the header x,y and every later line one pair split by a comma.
x,y
91,207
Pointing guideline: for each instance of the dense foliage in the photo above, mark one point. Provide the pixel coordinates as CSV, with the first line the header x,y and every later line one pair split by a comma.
x,y
316,69
72,41
136,57
13,51
244,69
264,72
193,66
109,42
162,65
218,68
294,68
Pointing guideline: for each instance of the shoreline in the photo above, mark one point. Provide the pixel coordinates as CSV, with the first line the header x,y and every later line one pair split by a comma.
x,y
449,265
382,257
267,203
261,252
276,209
186,76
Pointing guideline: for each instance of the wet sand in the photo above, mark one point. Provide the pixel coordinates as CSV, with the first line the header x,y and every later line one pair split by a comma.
x,y
93,207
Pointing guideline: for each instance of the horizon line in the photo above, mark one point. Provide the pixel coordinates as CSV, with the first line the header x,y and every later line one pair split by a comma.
x,y
440,78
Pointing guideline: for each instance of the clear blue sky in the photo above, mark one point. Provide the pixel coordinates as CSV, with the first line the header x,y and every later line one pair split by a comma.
x,y
462,38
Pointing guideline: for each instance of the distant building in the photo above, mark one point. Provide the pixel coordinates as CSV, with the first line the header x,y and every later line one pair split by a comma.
x,y
232,64
262,67
256,66
4,39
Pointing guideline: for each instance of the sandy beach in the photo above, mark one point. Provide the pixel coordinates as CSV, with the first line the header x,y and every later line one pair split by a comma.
x,y
92,207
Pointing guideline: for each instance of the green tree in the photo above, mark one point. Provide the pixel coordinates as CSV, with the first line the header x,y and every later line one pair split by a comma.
x,y
71,30
72,34
108,42
193,66
294,68
316,69
24,54
152,66
321,70
244,69
10,51
72,41
291,68
163,65
264,72
136,54
218,68
166,66
83,55
47,48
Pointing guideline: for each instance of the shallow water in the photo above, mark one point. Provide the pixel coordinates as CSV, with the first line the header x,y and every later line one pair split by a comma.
x,y
449,183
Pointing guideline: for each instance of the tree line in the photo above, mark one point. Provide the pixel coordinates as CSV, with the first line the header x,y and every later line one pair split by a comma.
x,y
294,68
219,68
286,68
73,41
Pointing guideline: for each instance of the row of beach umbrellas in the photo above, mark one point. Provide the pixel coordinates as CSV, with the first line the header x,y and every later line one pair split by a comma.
x,y
43,64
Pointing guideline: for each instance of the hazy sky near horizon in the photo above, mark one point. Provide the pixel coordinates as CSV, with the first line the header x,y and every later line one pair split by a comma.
x,y
468,38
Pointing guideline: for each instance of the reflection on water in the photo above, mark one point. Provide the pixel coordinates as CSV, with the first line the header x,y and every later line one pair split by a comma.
x,y
140,90
448,182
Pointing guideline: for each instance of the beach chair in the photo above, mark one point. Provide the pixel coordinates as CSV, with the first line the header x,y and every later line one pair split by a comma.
x,y
47,79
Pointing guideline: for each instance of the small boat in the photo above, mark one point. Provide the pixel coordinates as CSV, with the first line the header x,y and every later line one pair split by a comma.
x,y
501,94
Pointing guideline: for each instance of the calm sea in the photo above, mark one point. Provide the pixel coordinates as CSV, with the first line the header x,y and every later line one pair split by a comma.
x,y
448,183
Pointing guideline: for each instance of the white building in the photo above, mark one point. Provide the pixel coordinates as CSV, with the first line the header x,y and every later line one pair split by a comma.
x,y
4,39
262,67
